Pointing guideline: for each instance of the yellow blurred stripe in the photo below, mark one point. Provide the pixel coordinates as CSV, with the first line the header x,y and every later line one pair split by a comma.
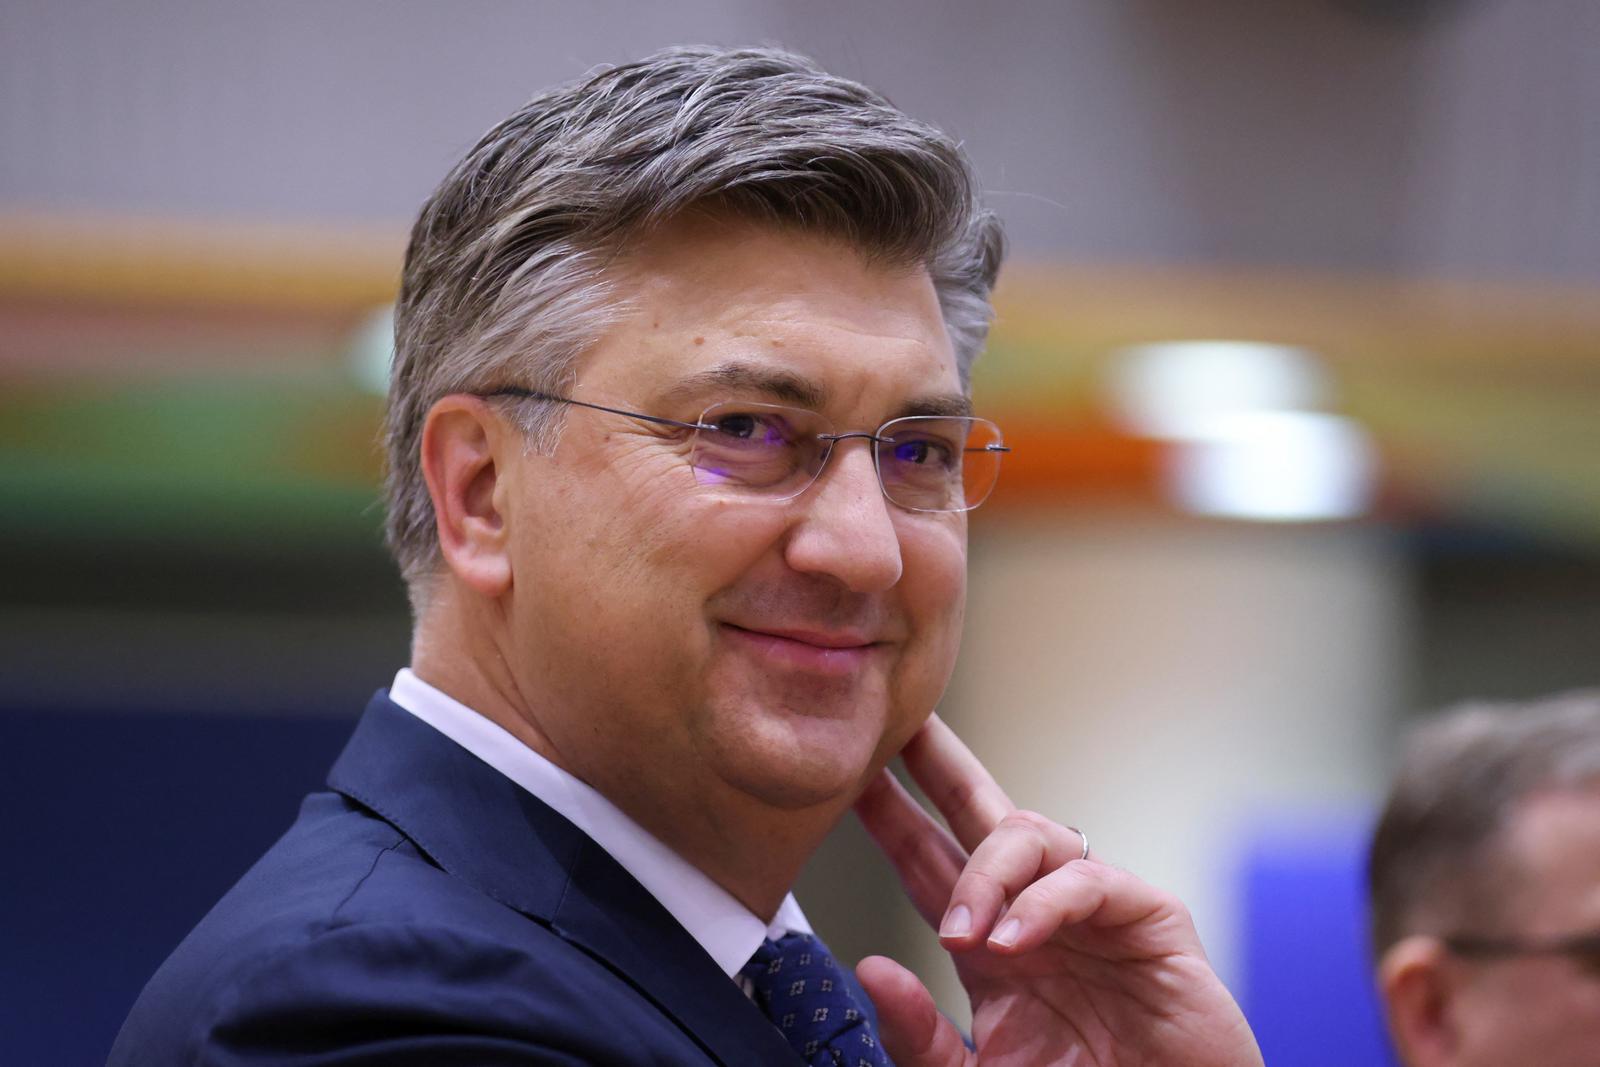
x,y
195,262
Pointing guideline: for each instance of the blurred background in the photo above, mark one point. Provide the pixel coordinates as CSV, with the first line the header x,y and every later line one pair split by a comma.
x,y
1299,350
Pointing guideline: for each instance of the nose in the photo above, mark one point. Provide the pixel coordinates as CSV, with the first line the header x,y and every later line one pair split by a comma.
x,y
845,529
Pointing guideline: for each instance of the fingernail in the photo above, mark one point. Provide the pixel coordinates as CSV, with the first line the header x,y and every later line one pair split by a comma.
x,y
958,923
1006,934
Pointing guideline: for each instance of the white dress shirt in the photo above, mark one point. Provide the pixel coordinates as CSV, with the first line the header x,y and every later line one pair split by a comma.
x,y
728,931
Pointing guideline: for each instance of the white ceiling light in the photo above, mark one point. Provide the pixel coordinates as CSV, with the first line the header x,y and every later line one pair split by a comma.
x,y
1274,466
1161,390
1250,438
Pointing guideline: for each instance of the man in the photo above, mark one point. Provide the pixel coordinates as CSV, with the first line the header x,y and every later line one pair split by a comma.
x,y
680,453
1485,888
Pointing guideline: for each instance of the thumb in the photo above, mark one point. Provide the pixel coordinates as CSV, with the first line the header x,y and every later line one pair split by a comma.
x,y
913,1032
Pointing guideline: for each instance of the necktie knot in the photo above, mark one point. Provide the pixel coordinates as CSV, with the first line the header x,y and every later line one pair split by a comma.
x,y
807,996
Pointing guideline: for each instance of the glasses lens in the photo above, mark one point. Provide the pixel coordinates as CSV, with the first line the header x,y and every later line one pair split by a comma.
x,y
758,446
939,463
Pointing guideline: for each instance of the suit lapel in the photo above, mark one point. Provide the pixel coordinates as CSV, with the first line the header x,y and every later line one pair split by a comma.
x,y
612,917
489,832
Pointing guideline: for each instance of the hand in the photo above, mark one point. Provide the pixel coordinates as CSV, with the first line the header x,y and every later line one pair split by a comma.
x,y
1067,960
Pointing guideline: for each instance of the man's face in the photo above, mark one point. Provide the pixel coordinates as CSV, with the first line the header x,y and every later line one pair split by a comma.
x,y
675,641
1542,1010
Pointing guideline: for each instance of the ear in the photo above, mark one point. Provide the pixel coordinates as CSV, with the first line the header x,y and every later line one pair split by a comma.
x,y
1416,983
464,454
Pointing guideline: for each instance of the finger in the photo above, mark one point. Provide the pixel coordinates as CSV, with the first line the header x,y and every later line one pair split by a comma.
x,y
922,852
1117,915
909,1024
1024,847
959,786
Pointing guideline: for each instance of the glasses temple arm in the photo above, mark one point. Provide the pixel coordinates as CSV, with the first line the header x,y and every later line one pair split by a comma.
x,y
531,394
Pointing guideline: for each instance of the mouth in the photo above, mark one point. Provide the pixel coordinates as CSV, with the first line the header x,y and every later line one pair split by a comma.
x,y
830,653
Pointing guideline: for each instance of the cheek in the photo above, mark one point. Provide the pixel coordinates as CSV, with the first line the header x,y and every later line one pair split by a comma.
x,y
677,544
934,594
935,581
625,519
591,547
1536,1006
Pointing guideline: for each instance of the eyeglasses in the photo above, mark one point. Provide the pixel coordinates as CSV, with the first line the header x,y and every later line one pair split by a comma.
x,y
774,453
1583,949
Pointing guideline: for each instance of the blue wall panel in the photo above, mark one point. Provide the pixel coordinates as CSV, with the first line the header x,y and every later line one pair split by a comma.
x,y
118,831
1308,988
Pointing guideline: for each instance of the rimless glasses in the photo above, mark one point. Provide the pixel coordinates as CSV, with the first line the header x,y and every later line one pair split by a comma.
x,y
772,452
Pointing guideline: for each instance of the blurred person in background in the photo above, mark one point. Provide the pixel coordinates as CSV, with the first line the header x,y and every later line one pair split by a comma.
x,y
680,451
1484,878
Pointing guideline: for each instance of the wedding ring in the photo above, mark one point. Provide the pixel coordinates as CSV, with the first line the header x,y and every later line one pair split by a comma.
x,y
1084,838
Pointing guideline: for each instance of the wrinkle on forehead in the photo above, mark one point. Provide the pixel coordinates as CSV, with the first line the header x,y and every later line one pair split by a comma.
x,y
775,269
910,332
724,306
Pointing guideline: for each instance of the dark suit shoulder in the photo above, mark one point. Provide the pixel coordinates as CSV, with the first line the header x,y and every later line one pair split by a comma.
x,y
383,993
345,944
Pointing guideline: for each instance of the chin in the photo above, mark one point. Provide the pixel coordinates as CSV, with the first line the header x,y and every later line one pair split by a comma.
x,y
796,762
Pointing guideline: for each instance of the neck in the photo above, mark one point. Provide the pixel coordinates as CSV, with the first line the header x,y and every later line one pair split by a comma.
x,y
751,849
748,848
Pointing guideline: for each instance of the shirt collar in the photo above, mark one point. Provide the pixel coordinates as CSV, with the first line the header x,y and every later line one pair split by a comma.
x,y
728,931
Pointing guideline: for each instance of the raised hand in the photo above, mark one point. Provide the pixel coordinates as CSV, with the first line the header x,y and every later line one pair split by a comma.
x,y
1067,960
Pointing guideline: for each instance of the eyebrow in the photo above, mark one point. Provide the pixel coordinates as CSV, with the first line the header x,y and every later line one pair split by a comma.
x,y
778,384
793,389
948,404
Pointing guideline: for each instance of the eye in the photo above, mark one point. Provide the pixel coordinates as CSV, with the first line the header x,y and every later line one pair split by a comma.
x,y
911,451
921,451
754,427
738,424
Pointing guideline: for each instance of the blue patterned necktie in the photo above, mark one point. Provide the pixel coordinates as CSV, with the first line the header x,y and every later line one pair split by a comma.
x,y
808,998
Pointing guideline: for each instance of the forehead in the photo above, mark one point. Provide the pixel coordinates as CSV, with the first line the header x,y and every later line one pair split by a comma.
x,y
1554,845
715,305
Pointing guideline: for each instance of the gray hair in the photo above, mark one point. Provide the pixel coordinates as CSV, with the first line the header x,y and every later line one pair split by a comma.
x,y
1431,866
505,277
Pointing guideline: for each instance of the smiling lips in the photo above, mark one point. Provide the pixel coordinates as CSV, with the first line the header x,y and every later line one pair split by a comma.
x,y
836,654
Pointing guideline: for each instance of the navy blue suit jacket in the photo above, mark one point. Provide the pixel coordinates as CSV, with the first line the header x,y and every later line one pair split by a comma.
x,y
429,911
